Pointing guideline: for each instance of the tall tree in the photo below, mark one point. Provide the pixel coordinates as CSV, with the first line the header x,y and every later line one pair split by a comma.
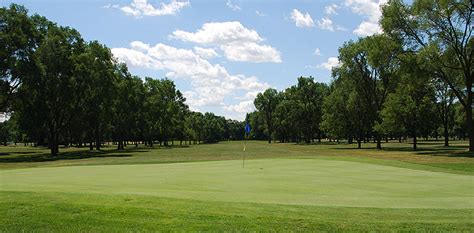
x,y
266,102
19,38
344,114
439,29
372,62
55,95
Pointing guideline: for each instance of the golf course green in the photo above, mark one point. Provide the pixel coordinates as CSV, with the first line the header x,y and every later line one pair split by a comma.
x,y
313,191
275,181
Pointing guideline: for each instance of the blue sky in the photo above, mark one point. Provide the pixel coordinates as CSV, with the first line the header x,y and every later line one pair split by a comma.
x,y
220,54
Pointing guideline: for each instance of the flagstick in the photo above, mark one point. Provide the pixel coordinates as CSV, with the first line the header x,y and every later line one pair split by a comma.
x,y
243,154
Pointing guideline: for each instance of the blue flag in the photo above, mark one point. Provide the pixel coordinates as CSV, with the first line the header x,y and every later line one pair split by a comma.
x,y
247,128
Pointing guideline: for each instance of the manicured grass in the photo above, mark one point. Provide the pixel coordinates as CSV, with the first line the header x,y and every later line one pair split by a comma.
x,y
68,212
430,156
278,181
327,187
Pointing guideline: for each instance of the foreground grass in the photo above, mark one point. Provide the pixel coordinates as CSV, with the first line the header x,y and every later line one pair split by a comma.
x,y
66,212
284,187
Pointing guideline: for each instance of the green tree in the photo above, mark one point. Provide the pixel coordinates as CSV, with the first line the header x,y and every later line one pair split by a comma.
x,y
372,62
344,115
266,102
19,38
54,96
442,31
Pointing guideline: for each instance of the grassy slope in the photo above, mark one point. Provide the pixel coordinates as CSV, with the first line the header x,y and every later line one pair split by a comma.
x,y
46,211
65,212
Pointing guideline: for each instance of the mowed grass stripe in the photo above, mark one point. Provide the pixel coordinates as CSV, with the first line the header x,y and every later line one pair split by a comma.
x,y
316,182
69,212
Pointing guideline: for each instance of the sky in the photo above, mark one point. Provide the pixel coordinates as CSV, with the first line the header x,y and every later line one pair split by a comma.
x,y
220,54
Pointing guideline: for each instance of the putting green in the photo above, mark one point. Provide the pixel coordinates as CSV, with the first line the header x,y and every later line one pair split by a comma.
x,y
280,181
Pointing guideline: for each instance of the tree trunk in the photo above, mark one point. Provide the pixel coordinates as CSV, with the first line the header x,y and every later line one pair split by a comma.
x,y
91,146
97,139
414,142
446,135
53,143
359,143
470,124
379,142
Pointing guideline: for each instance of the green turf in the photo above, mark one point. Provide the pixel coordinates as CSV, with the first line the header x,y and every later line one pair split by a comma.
x,y
68,212
277,181
328,187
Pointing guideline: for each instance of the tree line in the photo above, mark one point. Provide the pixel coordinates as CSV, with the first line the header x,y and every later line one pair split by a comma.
x,y
414,80
63,90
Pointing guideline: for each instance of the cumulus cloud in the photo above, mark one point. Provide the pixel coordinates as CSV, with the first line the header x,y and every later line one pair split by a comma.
x,y
211,84
367,28
331,9
232,6
206,53
301,20
326,24
330,63
371,11
139,8
242,107
236,41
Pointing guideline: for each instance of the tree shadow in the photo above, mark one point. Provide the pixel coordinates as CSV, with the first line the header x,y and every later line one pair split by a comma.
x,y
71,155
433,148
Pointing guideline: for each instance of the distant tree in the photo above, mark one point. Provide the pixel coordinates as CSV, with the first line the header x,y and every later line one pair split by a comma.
x,y
372,62
344,114
444,107
310,97
286,118
266,103
257,121
213,128
96,65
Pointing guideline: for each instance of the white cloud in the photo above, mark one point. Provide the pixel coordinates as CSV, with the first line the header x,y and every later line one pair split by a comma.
x,y
139,8
330,63
260,14
301,20
212,85
232,6
248,51
331,9
242,107
371,11
236,41
317,52
206,53
326,24
367,28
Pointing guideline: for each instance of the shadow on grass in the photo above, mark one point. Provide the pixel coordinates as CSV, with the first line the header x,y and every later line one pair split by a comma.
x,y
43,157
31,156
433,150
17,153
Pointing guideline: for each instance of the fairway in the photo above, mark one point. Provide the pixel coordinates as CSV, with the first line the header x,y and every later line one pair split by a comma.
x,y
326,187
277,181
